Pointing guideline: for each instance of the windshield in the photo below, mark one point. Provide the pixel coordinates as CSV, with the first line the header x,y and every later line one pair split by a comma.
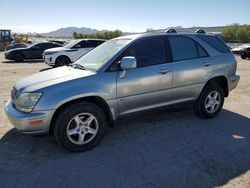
x,y
100,55
72,44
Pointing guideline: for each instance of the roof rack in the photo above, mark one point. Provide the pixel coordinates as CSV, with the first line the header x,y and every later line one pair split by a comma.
x,y
200,31
171,31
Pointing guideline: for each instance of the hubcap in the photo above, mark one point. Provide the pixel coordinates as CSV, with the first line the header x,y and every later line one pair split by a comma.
x,y
82,128
212,102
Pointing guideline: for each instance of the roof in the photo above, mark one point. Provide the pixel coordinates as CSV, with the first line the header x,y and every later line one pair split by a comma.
x,y
158,33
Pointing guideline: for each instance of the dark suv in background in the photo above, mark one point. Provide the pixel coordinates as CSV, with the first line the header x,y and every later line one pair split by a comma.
x,y
245,53
34,51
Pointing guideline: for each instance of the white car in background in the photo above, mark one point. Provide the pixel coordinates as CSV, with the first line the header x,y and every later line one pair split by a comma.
x,y
238,49
70,52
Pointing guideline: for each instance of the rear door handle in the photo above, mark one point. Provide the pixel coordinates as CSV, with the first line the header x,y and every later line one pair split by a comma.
x,y
207,64
164,71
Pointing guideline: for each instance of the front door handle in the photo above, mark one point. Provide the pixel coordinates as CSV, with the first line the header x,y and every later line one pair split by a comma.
x,y
207,64
164,71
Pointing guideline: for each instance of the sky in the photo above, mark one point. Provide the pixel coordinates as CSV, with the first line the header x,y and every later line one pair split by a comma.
x,y
126,15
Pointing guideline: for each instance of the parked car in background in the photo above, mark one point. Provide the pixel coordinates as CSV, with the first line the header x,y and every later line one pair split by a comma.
x,y
120,77
238,49
34,51
16,45
245,53
70,52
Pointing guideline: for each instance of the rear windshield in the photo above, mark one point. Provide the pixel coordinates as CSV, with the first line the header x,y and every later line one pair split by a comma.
x,y
215,42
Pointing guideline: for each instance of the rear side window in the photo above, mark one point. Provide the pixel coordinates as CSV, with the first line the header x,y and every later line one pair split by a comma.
x,y
201,51
183,48
148,51
215,42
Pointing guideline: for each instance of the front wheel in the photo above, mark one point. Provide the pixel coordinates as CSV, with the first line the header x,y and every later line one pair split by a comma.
x,y
61,61
19,57
80,127
210,102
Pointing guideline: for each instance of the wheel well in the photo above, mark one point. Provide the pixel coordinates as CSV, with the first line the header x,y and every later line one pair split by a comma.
x,y
94,99
221,81
63,56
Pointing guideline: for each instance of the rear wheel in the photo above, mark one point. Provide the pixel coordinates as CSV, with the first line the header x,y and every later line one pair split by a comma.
x,y
210,102
61,61
19,57
80,126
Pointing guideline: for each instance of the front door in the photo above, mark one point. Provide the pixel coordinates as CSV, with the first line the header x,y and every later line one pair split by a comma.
x,y
150,84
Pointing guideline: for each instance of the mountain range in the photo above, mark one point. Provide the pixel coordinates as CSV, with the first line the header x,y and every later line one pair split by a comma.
x,y
68,31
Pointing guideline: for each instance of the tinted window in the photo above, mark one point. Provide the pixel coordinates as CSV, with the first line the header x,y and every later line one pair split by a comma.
x,y
215,42
147,51
91,44
183,48
45,46
81,44
38,46
201,51
55,45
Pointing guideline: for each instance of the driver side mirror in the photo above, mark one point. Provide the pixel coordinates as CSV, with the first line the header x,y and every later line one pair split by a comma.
x,y
128,62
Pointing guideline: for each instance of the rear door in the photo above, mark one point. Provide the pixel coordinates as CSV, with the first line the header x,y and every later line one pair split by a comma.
x,y
191,67
150,84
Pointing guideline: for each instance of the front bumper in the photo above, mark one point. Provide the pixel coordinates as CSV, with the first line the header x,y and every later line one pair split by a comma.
x,y
23,121
233,82
49,60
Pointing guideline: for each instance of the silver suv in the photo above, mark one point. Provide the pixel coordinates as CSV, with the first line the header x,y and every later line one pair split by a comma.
x,y
122,76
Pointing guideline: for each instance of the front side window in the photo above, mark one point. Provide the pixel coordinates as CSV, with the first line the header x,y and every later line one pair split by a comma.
x,y
147,51
183,48
37,46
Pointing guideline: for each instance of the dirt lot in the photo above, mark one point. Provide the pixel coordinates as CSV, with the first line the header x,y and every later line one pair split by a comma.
x,y
163,148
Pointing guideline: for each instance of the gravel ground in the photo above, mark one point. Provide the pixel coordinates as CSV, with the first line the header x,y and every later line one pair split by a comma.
x,y
163,148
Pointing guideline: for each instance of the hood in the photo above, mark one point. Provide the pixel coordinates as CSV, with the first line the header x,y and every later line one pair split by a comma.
x,y
57,49
15,49
50,77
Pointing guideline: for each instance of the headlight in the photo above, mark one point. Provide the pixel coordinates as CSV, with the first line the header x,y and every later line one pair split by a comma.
x,y
49,53
27,101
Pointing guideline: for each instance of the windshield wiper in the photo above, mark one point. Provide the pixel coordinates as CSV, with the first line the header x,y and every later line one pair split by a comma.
x,y
77,66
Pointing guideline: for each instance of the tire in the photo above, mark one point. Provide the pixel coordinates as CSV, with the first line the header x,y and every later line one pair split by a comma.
x,y
74,129
243,57
19,57
208,105
62,60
